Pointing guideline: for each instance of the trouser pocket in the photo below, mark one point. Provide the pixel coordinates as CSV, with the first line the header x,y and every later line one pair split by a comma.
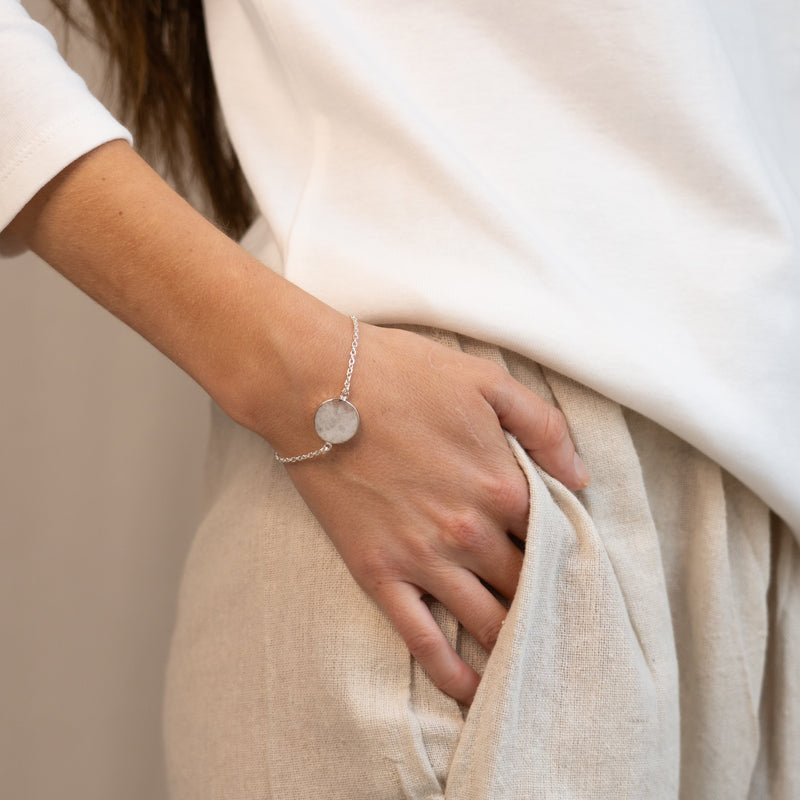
x,y
570,704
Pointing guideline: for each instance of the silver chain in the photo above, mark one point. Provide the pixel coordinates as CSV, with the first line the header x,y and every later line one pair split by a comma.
x,y
351,363
344,395
326,448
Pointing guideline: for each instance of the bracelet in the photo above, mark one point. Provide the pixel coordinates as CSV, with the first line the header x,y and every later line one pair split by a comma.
x,y
336,420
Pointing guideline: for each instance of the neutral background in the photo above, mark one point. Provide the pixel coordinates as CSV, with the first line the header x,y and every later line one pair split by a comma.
x,y
101,449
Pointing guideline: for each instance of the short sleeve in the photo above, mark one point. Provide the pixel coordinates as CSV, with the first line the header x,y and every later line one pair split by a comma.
x,y
48,116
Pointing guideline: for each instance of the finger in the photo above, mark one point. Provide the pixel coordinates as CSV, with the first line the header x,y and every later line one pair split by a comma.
x,y
501,569
473,605
519,528
475,543
413,620
505,496
541,429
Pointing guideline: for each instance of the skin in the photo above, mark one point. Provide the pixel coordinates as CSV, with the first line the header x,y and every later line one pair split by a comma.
x,y
269,353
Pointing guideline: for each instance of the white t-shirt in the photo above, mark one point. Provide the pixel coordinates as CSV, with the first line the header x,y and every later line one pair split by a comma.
x,y
611,189
48,118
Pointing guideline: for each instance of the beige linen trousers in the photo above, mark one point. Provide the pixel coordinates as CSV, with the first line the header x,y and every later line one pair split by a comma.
x,y
652,649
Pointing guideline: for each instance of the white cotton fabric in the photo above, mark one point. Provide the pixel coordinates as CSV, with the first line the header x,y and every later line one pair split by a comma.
x,y
610,189
650,651
48,117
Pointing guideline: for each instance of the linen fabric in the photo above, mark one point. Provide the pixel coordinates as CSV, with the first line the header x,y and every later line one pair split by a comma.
x,y
650,651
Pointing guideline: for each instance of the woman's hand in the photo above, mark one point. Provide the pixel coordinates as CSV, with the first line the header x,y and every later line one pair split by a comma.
x,y
422,500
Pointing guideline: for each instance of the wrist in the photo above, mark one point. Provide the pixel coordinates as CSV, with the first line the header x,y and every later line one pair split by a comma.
x,y
266,351
290,364
336,419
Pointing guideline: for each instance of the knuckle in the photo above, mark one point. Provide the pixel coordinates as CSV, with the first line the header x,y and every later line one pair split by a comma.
x,y
508,495
423,553
423,645
496,373
463,531
452,682
555,427
371,568
499,388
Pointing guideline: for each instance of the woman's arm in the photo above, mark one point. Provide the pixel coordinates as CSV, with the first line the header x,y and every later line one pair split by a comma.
x,y
422,500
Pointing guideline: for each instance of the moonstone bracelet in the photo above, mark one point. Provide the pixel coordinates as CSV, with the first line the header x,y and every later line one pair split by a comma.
x,y
336,420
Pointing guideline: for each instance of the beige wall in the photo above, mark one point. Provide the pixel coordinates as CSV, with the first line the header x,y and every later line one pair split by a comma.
x,y
101,444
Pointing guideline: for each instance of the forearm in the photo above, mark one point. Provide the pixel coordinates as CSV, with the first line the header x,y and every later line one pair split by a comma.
x,y
423,501
256,342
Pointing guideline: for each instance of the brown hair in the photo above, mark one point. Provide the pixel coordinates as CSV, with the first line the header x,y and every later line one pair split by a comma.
x,y
166,89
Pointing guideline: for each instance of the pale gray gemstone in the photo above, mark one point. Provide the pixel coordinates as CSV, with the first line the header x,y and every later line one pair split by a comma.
x,y
336,421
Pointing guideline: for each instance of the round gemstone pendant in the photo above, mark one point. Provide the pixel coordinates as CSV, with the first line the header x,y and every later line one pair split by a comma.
x,y
336,421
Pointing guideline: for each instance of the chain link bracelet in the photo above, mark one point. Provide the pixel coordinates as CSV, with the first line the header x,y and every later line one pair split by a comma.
x,y
336,420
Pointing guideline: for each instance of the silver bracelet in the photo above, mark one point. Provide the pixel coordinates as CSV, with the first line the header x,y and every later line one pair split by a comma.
x,y
336,420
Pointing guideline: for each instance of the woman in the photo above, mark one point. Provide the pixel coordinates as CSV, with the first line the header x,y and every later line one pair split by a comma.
x,y
536,185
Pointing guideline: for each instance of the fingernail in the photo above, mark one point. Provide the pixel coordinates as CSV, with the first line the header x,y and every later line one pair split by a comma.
x,y
581,473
